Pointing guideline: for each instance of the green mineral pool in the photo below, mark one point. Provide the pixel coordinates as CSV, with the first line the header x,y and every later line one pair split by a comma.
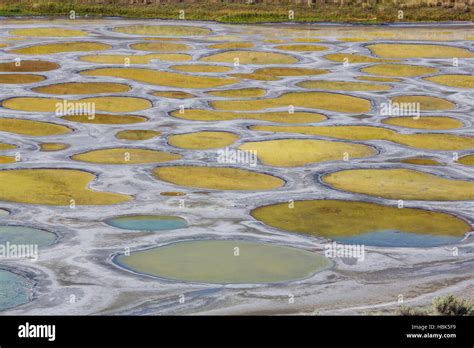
x,y
147,222
14,290
26,236
225,262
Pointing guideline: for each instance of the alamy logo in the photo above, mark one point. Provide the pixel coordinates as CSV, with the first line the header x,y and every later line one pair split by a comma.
x,y
37,331
335,250
19,251
400,109
67,108
231,156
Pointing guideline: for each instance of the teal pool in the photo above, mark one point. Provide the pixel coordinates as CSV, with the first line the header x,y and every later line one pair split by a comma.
x,y
399,239
147,222
14,290
26,236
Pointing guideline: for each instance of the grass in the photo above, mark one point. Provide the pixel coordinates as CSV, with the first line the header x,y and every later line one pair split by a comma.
x,y
203,140
173,94
162,78
135,59
106,119
48,32
217,178
428,141
160,47
13,79
312,100
349,11
137,134
231,45
298,152
399,70
467,160
49,147
287,71
338,218
424,122
342,86
448,305
53,187
421,161
397,183
239,93
419,51
125,156
201,68
106,104
281,117
250,57
32,128
7,159
302,48
28,66
83,88
353,58
427,103
61,48
458,81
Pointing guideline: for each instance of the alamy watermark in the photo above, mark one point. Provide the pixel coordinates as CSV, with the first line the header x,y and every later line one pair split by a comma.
x,y
400,109
19,251
335,250
232,156
75,108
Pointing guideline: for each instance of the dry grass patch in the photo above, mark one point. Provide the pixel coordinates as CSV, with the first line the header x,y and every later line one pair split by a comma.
x,y
250,57
123,59
19,79
343,86
239,93
203,140
424,122
299,152
217,178
400,184
31,128
106,119
50,147
428,141
107,104
280,117
137,134
162,78
125,155
160,47
48,32
162,30
174,94
28,66
201,68
337,218
458,81
427,103
79,46
53,187
401,70
302,48
83,88
419,51
231,45
312,100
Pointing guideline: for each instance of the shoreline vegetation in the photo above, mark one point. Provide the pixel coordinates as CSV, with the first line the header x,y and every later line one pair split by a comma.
x,y
250,11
